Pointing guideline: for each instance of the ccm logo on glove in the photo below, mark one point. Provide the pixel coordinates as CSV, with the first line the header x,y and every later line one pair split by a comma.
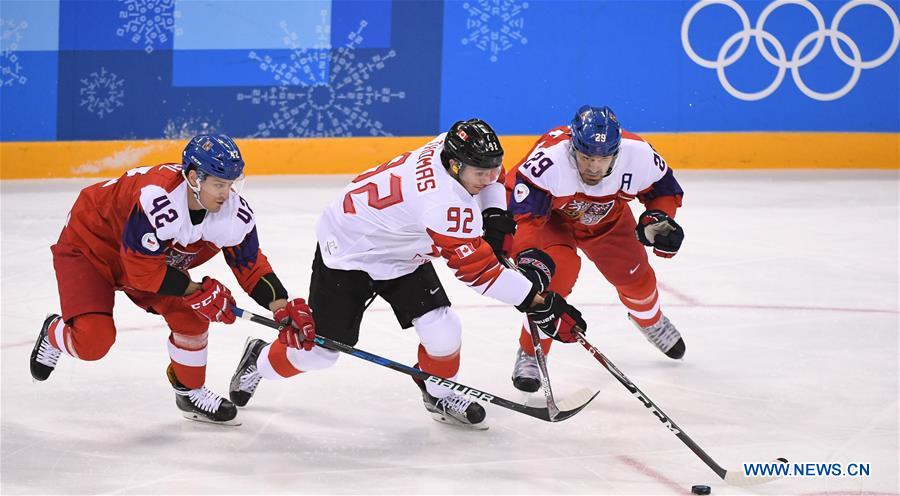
x,y
213,301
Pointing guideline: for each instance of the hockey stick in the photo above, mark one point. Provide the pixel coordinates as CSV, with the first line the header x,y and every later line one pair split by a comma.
x,y
733,477
572,404
538,354
542,365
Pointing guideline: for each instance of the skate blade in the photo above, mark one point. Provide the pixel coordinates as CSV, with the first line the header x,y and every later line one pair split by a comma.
x,y
444,419
201,418
533,400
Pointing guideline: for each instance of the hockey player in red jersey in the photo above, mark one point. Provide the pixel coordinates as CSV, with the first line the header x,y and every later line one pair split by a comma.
x,y
572,191
378,239
140,234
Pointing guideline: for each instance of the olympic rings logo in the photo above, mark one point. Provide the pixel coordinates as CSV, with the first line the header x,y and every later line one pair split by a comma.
x,y
779,59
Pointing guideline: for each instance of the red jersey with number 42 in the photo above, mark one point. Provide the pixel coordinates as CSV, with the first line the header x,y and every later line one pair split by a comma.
x,y
132,227
394,217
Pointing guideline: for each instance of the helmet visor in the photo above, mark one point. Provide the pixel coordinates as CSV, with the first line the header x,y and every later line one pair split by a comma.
x,y
213,184
479,174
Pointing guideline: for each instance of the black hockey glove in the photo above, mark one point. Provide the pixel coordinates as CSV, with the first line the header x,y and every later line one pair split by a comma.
x,y
538,268
556,318
499,227
656,229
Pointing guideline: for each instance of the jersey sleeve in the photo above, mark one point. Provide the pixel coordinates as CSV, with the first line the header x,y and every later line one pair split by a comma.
x,y
142,252
164,213
471,258
247,261
529,201
152,224
232,224
473,262
664,193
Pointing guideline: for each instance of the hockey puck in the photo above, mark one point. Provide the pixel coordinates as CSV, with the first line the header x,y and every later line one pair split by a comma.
x,y
700,489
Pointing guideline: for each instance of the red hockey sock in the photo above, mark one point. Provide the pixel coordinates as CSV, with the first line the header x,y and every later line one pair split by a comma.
x,y
278,359
446,366
642,300
188,356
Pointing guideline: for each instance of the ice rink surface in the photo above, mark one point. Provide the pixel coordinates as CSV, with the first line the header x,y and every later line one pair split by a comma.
x,y
786,293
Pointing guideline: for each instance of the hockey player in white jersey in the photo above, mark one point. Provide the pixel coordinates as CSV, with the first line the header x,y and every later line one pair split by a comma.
x,y
572,191
378,239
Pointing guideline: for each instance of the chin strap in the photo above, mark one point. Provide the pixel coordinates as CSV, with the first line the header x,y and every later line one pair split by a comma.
x,y
194,189
454,169
612,165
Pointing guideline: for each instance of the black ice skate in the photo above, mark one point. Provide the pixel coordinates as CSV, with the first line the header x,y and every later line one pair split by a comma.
x,y
526,375
201,404
44,355
455,409
665,336
246,378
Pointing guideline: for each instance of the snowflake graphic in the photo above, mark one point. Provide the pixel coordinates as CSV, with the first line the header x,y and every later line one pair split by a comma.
x,y
148,22
187,127
102,92
322,92
10,68
494,25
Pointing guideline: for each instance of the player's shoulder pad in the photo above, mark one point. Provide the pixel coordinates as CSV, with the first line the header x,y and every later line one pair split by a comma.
x,y
554,136
231,224
164,210
638,158
166,176
549,168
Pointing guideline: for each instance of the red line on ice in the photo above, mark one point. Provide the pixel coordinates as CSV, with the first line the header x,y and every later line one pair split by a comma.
x,y
653,474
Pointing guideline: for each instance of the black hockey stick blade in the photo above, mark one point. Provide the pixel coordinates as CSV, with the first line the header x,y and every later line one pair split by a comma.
x,y
732,477
568,407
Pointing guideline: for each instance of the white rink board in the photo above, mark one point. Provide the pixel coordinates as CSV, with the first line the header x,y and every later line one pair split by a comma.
x,y
786,293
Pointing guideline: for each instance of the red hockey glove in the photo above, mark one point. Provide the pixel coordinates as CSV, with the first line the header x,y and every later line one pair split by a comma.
x,y
212,301
557,318
656,229
298,327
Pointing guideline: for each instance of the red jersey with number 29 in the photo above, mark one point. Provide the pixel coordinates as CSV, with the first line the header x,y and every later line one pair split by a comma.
x,y
408,211
547,183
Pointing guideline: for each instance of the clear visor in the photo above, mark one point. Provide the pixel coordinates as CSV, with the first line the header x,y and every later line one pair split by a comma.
x,y
214,185
479,174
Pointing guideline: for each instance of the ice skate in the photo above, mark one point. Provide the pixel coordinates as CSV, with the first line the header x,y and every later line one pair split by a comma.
x,y
44,355
201,404
455,409
526,374
664,335
246,378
